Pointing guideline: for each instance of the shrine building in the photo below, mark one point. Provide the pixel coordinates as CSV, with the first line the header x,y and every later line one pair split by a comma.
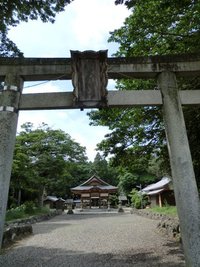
x,y
94,192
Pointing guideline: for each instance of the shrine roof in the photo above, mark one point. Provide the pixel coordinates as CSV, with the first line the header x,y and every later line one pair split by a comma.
x,y
86,188
92,179
165,181
54,199
94,183
154,192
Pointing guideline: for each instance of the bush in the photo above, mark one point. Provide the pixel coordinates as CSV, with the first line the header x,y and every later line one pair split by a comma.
x,y
24,211
113,200
29,207
15,213
138,200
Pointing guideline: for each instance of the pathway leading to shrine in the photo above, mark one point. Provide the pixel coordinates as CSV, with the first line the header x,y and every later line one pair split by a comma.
x,y
94,240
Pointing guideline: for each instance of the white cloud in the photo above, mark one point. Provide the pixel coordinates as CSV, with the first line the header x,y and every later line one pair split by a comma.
x,y
84,25
93,22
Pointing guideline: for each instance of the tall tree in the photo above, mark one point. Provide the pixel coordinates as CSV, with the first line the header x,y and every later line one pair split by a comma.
x,y
45,154
154,27
104,170
159,27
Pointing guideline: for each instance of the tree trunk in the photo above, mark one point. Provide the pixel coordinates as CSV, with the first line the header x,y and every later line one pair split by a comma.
x,y
19,197
41,196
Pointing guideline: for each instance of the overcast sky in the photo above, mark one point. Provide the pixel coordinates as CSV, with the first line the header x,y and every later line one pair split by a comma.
x,y
85,25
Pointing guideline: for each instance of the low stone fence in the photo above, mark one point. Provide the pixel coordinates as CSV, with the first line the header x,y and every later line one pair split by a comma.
x,y
20,228
167,225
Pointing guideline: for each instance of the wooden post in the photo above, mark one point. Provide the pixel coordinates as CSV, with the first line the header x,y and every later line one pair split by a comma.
x,y
186,193
160,200
9,102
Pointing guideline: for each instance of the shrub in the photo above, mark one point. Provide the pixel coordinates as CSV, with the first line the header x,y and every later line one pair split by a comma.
x,y
24,211
29,207
15,213
138,200
113,200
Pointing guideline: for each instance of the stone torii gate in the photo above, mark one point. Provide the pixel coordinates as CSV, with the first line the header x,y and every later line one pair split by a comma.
x,y
89,72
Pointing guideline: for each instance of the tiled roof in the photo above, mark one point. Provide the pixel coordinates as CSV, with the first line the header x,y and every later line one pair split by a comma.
x,y
101,187
154,192
54,198
94,178
93,183
159,185
51,198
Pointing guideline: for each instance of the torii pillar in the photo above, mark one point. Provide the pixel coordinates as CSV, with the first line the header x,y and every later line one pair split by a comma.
x,y
9,96
185,187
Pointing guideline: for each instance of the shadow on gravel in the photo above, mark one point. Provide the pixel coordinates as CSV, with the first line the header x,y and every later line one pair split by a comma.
x,y
82,216
174,248
64,220
48,227
42,257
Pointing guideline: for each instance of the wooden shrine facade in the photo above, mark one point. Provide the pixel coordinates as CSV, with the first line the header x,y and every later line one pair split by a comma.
x,y
94,192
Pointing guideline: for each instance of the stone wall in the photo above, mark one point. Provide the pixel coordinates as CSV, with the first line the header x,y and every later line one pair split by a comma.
x,y
168,225
20,228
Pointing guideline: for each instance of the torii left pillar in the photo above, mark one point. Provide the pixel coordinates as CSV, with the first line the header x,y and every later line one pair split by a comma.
x,y
9,103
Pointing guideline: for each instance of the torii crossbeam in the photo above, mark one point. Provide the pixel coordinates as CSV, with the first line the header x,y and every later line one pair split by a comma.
x,y
89,71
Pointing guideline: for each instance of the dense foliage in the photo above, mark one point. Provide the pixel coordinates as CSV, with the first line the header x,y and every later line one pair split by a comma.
x,y
104,170
46,161
138,200
138,139
50,162
24,211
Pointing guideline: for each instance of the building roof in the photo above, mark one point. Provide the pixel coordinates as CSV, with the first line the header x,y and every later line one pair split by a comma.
x,y
154,192
158,187
54,198
94,184
51,198
93,179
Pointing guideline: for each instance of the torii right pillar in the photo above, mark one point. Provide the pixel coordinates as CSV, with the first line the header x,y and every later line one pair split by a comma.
x,y
185,187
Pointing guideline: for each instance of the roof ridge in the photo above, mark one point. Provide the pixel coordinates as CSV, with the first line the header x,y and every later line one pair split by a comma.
x,y
92,177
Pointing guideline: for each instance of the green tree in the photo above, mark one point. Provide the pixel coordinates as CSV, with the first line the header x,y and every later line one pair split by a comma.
x,y
104,170
136,136
13,12
154,27
159,27
79,173
138,200
21,169
128,181
46,154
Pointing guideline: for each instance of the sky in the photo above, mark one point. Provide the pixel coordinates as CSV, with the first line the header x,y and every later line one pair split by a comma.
x,y
84,25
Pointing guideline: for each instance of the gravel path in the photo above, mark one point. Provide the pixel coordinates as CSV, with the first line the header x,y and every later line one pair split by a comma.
x,y
94,240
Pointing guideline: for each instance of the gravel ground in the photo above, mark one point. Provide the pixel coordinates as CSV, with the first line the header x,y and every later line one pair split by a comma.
x,y
94,240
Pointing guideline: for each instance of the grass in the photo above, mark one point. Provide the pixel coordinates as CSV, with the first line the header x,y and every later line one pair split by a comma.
x,y
166,210
21,213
